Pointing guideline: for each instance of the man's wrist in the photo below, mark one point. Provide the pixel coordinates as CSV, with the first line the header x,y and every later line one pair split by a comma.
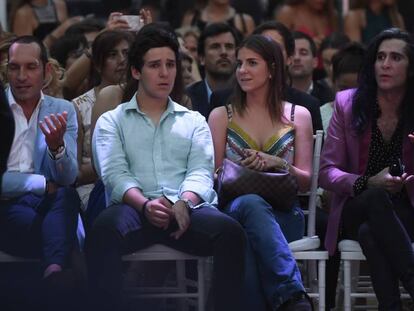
x,y
188,204
57,153
144,207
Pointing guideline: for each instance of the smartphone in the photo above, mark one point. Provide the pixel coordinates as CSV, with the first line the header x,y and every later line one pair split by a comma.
x,y
397,168
242,153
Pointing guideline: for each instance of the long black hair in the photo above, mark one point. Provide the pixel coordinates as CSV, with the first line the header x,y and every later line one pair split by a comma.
x,y
365,96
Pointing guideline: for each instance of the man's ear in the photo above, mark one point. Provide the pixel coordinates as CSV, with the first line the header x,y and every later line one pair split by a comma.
x,y
48,69
135,73
315,62
201,60
288,60
47,75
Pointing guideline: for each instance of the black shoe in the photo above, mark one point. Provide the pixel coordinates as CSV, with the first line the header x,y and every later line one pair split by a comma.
x,y
298,302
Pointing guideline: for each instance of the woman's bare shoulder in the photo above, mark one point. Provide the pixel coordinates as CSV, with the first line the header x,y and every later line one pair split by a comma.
x,y
300,111
112,91
285,14
218,114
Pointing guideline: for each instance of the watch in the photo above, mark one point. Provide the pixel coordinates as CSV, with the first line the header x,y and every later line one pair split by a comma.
x,y
57,153
188,203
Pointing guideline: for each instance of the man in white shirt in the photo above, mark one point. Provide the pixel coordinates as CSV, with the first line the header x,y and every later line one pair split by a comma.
x,y
38,212
155,158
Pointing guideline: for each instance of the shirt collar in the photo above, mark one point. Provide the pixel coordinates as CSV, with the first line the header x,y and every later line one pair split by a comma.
x,y
209,91
172,106
310,89
12,101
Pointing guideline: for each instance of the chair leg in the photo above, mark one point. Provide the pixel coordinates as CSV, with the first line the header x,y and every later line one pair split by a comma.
x,y
321,284
347,285
201,289
181,283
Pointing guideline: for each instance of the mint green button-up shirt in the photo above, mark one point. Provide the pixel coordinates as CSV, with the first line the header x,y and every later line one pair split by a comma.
x,y
167,159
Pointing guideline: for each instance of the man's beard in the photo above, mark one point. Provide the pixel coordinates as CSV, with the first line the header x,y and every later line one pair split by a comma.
x,y
221,75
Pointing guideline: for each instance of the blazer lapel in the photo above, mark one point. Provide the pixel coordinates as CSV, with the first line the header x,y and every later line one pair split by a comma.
x,y
40,144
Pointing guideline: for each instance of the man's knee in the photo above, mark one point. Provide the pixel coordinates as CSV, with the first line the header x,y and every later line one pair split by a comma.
x,y
115,221
375,195
69,198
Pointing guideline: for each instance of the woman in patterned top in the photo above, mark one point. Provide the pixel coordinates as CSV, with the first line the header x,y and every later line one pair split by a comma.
x,y
262,132
109,54
368,137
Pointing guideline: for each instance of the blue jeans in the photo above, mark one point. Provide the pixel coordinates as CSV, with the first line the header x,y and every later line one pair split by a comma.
x,y
45,226
272,275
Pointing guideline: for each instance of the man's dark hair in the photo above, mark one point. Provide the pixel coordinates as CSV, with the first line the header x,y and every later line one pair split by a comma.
x,y
28,40
153,35
64,46
282,30
216,29
365,96
348,60
85,26
301,35
335,40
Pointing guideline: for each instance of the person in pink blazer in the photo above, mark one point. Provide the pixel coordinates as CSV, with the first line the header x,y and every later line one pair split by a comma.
x,y
371,129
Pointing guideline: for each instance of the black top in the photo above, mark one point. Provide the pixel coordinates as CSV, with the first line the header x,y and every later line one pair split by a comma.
x,y
322,91
47,17
381,153
200,24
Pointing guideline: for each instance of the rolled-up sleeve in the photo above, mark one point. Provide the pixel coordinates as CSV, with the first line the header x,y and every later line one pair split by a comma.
x,y
200,168
109,157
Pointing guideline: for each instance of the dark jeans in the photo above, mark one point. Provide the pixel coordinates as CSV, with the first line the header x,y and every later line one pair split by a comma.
x,y
384,227
40,226
120,230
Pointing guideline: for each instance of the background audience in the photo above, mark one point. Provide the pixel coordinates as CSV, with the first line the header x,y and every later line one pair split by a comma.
x,y
319,61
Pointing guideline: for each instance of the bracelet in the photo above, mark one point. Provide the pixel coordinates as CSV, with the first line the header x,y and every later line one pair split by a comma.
x,y
285,165
144,207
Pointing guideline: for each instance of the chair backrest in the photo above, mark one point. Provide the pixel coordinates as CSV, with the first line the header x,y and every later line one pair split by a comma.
x,y
313,191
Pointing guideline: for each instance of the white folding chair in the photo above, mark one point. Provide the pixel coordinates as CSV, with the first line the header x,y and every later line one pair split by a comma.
x,y
307,248
160,252
355,286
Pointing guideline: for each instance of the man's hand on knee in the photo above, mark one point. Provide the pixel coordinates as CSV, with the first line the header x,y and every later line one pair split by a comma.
x,y
159,212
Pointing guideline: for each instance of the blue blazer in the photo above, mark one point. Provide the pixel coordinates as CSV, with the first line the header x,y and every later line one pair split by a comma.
x,y
62,171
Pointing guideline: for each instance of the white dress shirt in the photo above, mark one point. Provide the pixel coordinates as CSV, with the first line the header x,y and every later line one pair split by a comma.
x,y
21,154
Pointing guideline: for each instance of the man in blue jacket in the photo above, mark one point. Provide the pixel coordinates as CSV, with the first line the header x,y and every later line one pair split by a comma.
x,y
38,212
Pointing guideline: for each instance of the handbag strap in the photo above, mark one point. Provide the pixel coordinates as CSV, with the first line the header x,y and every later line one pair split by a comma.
x,y
292,113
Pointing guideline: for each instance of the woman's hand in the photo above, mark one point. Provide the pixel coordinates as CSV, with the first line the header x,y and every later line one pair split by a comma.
x,y
146,16
268,162
253,160
115,22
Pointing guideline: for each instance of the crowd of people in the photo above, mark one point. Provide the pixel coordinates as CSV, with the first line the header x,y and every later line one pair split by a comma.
x,y
113,139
